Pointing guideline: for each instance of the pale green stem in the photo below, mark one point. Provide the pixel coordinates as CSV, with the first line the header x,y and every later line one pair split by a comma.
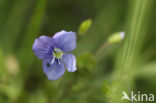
x,y
101,49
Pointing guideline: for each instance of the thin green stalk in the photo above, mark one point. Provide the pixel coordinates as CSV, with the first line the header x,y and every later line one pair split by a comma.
x,y
26,53
101,48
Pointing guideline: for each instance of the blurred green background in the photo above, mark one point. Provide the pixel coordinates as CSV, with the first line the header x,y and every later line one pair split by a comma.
x,y
126,66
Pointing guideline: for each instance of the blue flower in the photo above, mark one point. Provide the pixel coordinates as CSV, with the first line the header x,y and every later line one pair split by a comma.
x,y
52,50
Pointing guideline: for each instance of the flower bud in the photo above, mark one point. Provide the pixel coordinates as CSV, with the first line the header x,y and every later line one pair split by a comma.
x,y
84,26
116,37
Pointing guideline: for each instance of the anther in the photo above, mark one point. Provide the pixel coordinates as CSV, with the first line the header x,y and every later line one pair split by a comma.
x,y
59,61
52,60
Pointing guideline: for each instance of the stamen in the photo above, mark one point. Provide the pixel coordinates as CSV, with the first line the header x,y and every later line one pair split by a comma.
x,y
59,61
52,60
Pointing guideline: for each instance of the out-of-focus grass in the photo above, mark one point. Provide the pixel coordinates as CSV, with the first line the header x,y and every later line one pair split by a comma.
x,y
14,23
2,63
31,33
120,66
129,61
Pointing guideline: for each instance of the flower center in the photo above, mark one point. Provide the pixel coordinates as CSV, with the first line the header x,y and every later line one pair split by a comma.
x,y
57,53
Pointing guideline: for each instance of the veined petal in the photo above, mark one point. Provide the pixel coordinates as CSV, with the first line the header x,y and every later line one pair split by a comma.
x,y
55,70
66,41
70,62
43,47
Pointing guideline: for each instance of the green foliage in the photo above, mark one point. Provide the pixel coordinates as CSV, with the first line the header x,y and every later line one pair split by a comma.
x,y
38,97
2,63
107,89
129,55
13,89
86,62
99,79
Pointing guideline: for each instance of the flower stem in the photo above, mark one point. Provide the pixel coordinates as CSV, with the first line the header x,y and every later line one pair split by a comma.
x,y
101,48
